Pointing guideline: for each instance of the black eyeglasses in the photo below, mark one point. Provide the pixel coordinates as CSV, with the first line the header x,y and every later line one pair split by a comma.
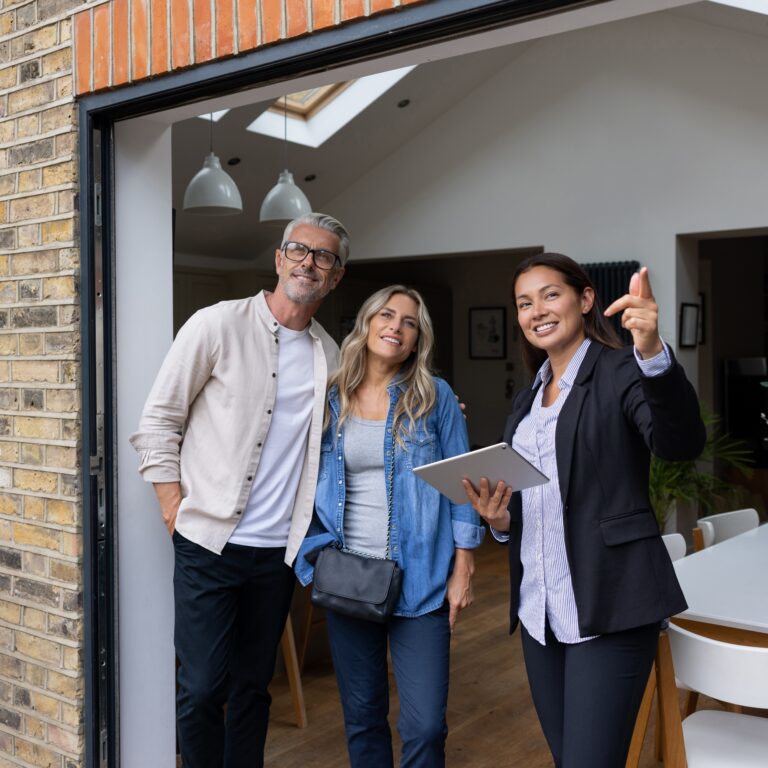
x,y
298,252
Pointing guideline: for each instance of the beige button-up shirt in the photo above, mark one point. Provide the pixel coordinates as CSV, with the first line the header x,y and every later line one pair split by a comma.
x,y
208,414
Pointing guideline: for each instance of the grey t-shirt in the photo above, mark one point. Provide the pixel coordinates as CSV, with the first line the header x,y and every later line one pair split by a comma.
x,y
365,513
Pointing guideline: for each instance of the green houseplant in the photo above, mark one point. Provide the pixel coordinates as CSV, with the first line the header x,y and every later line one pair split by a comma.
x,y
692,482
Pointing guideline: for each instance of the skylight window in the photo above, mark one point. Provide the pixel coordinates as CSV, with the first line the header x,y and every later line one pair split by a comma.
x,y
757,6
215,116
304,104
317,114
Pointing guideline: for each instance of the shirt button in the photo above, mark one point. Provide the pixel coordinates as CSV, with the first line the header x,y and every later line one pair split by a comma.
x,y
274,375
338,530
250,477
269,411
339,503
238,511
277,341
258,445
339,482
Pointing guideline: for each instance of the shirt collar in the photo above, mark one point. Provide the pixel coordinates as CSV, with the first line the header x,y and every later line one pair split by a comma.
x,y
396,386
394,389
266,316
544,373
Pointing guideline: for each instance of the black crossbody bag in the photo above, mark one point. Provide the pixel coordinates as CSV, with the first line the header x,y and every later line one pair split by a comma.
x,y
356,585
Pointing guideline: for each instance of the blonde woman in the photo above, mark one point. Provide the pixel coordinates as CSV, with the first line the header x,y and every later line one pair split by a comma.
x,y
386,414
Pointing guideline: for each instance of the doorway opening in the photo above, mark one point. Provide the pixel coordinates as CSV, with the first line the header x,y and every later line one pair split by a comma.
x,y
733,347
537,144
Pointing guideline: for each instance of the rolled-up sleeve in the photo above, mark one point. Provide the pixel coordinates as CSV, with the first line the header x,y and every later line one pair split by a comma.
x,y
467,535
468,532
184,372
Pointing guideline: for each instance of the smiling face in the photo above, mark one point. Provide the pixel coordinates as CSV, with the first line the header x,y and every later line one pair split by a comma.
x,y
551,312
302,282
394,330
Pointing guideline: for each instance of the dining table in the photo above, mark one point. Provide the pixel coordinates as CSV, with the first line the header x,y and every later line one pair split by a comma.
x,y
726,588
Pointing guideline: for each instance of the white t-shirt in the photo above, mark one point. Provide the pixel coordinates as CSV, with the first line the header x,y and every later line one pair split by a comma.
x,y
267,516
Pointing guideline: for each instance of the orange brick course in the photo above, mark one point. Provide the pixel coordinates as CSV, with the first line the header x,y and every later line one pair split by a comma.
x,y
120,50
107,56
180,41
247,25
101,46
139,42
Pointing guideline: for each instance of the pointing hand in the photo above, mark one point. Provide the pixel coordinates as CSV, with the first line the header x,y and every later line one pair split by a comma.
x,y
640,314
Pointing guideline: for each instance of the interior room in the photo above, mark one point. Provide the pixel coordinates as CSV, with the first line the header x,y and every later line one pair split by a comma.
x,y
609,143
474,156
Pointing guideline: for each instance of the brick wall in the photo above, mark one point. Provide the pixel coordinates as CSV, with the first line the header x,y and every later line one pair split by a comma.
x,y
124,41
40,528
118,42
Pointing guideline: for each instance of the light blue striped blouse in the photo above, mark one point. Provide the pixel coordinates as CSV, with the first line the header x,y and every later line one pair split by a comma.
x,y
546,591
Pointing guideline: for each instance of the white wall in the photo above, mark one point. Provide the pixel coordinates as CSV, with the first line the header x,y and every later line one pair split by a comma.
x,y
604,143
144,303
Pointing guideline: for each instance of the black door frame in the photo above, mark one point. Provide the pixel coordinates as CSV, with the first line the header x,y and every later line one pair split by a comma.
x,y
408,28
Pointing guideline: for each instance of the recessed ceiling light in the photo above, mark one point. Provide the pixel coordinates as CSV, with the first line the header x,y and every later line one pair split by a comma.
x,y
233,161
403,103
310,177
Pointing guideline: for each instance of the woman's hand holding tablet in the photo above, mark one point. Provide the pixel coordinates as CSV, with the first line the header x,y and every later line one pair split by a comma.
x,y
487,477
492,507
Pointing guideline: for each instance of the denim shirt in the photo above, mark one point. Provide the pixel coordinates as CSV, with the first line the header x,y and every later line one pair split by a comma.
x,y
425,527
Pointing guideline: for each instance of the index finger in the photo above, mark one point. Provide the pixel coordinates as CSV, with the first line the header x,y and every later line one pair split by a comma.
x,y
470,489
453,613
619,305
645,284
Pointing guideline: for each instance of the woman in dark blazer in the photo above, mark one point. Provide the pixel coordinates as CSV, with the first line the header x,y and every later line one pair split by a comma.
x,y
590,577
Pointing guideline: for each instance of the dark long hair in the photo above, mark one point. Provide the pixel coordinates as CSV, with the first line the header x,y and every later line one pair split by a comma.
x,y
596,326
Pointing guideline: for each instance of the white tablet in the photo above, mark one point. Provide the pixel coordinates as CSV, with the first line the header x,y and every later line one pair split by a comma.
x,y
496,462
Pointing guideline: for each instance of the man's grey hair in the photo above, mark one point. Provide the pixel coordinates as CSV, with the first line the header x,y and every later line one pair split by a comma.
x,y
326,222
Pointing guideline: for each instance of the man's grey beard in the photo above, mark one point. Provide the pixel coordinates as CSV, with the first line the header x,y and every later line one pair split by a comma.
x,y
307,295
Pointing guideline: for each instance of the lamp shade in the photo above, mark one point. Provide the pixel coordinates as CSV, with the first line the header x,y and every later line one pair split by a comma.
x,y
284,202
212,191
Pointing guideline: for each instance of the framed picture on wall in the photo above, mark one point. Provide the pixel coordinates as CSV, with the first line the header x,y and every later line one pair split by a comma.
x,y
689,325
488,333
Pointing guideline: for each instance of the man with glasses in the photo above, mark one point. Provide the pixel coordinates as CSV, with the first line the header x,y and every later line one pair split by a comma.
x,y
230,439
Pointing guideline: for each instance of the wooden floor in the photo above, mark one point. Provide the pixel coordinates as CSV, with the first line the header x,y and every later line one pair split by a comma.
x,y
491,718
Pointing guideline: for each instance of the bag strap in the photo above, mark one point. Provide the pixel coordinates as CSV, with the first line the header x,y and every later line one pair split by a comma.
x,y
391,481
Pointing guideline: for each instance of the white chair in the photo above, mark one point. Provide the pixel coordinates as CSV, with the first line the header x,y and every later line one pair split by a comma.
x,y
733,673
703,535
676,547
675,544
726,525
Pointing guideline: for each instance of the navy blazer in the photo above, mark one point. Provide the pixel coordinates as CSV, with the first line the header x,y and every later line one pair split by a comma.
x,y
610,423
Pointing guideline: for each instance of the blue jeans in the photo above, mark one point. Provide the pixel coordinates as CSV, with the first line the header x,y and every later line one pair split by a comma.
x,y
420,649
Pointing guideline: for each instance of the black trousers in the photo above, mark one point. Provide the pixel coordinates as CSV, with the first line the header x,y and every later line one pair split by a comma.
x,y
230,612
587,695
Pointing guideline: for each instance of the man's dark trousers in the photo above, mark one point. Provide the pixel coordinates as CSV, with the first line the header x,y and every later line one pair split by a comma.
x,y
230,614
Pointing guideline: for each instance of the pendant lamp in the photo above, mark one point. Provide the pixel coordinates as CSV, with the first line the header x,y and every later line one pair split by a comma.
x,y
285,201
212,191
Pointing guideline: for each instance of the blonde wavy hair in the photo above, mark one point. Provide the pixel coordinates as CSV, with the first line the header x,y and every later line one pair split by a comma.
x,y
416,373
